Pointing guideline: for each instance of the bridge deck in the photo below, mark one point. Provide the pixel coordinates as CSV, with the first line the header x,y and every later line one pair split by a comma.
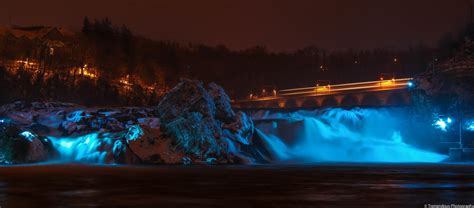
x,y
378,91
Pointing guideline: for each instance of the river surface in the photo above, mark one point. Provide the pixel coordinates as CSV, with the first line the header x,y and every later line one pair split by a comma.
x,y
316,185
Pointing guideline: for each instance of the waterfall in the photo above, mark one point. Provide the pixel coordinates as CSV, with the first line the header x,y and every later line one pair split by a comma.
x,y
340,135
86,148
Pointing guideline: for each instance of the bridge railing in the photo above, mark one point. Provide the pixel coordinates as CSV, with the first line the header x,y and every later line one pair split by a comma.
x,y
379,85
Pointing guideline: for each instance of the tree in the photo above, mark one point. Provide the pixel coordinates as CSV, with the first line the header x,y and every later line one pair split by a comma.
x,y
86,26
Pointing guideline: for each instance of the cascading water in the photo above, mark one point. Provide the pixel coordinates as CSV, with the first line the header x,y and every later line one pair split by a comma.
x,y
95,147
91,148
330,135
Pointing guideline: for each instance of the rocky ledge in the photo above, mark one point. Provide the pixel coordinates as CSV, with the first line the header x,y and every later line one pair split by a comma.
x,y
193,124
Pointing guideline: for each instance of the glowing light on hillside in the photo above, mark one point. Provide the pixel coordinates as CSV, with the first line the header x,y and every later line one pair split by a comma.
x,y
126,84
88,72
26,62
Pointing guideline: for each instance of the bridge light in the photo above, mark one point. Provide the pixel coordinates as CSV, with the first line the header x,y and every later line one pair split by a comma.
x,y
395,60
410,84
274,93
250,96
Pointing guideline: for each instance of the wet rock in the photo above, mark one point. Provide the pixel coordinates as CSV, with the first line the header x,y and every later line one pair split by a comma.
x,y
241,129
191,125
224,110
194,135
153,148
134,133
113,124
122,154
23,146
68,127
187,96
151,122
202,125
22,118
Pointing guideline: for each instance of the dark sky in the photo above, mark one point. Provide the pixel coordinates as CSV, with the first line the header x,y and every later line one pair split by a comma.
x,y
278,24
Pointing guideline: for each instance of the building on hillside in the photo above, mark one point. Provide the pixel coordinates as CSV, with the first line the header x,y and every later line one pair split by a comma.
x,y
46,41
37,32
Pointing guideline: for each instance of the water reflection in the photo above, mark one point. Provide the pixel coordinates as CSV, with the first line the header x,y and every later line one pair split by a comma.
x,y
338,185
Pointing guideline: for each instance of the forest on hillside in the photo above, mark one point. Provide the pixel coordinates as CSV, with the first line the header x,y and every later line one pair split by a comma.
x,y
108,65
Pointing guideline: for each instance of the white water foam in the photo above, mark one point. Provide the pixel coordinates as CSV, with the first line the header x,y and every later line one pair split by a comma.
x,y
339,135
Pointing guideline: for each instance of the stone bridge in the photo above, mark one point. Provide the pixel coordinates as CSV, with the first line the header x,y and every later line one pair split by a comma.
x,y
381,93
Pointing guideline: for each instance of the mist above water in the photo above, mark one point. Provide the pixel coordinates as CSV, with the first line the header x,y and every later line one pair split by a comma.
x,y
340,135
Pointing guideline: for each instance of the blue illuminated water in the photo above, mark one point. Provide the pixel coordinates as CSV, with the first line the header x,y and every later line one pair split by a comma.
x,y
86,148
343,135
327,135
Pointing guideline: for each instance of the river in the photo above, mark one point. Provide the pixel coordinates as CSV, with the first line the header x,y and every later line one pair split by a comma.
x,y
315,185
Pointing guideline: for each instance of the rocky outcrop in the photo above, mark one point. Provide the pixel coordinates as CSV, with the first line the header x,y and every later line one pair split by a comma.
x,y
449,87
187,96
224,110
191,125
200,123
22,146
241,129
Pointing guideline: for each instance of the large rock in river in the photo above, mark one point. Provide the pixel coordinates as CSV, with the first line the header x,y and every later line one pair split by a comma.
x,y
23,146
201,122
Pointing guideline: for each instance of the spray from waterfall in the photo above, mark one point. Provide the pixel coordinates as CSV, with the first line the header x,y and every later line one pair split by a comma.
x,y
339,135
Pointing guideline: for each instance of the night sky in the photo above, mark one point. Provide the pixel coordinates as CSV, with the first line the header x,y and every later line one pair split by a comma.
x,y
281,25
